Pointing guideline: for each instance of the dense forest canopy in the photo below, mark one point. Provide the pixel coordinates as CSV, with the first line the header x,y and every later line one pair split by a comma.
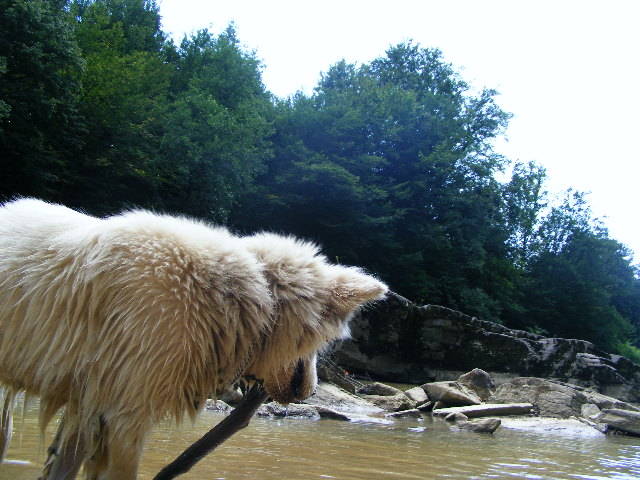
x,y
389,165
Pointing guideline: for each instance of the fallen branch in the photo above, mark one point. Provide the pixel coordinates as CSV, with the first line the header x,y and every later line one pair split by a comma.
x,y
236,420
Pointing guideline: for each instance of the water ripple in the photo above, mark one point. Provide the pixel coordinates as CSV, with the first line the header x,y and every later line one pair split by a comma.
x,y
405,449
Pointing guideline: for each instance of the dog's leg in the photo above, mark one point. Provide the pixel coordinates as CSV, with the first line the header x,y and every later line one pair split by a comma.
x,y
64,461
6,421
52,453
123,461
97,464
114,458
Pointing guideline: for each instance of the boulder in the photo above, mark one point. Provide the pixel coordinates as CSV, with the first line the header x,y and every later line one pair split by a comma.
x,y
335,398
486,425
486,410
552,398
377,388
393,403
622,420
325,412
589,410
218,406
293,410
456,417
452,394
480,382
425,407
603,401
417,394
397,340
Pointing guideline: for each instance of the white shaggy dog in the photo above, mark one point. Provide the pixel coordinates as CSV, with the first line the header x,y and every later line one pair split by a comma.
x,y
127,320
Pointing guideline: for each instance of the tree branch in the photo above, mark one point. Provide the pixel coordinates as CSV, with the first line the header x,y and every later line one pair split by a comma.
x,y
236,420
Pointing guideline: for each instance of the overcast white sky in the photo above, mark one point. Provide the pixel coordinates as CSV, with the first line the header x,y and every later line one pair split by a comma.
x,y
568,70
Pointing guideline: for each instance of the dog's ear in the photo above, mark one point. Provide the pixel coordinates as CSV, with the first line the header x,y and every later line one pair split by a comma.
x,y
351,288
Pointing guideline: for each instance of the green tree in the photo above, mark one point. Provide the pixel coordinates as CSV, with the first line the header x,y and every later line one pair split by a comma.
x,y
125,85
121,26
40,68
558,226
576,281
218,123
525,201
582,290
395,157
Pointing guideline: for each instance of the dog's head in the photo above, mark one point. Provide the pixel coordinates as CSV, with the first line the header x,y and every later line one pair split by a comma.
x,y
314,302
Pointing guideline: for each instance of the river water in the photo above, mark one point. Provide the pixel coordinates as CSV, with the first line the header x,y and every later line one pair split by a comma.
x,y
296,449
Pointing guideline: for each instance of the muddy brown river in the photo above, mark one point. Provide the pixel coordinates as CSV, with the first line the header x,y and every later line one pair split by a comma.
x,y
295,449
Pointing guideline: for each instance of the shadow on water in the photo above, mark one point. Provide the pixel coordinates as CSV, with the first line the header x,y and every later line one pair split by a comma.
x,y
294,449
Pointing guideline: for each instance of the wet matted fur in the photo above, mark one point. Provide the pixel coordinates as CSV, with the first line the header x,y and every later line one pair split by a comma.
x,y
137,317
314,301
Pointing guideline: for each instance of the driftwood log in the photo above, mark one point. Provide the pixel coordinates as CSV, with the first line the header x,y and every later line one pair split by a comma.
x,y
238,419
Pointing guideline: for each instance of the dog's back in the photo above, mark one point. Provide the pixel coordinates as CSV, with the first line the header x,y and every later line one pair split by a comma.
x,y
31,238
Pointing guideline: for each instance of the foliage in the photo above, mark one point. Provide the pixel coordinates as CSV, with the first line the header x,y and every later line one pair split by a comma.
x,y
178,128
389,165
630,351
524,203
40,67
582,285
218,122
119,26
392,157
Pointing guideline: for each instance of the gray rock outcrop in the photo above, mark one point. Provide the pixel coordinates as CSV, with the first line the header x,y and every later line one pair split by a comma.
x,y
622,420
478,381
426,406
399,341
552,398
293,410
325,412
456,417
417,394
462,422
391,403
377,388
589,410
485,425
336,398
452,394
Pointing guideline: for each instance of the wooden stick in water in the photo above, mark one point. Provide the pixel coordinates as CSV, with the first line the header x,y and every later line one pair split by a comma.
x,y
238,419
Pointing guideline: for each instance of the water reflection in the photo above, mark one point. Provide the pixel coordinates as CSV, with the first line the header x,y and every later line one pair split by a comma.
x,y
406,449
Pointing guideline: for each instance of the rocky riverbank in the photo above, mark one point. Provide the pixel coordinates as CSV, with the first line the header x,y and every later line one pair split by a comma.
x,y
471,402
536,380
400,341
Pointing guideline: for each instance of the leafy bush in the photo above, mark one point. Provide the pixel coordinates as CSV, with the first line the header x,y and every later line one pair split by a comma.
x,y
630,351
